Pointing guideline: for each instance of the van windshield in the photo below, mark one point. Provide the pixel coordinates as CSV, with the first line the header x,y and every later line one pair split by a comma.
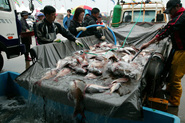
x,y
149,16
4,5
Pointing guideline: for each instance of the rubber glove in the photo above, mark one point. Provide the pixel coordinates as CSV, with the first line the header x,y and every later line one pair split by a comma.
x,y
57,40
79,43
81,29
105,27
98,27
102,38
101,27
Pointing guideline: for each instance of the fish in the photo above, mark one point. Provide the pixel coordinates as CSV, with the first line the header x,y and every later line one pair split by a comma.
x,y
120,80
80,70
73,63
123,90
63,62
128,50
93,88
96,67
127,58
114,87
121,68
84,63
75,93
90,76
61,73
49,74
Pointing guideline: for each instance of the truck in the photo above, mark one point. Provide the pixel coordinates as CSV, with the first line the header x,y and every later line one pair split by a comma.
x,y
10,31
151,13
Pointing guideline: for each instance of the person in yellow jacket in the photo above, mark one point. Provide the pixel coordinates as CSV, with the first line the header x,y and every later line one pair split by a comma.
x,y
176,29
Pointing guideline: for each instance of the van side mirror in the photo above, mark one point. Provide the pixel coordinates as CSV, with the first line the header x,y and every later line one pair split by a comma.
x,y
31,6
160,17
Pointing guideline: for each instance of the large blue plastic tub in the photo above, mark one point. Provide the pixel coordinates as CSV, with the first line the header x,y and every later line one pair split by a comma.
x,y
10,88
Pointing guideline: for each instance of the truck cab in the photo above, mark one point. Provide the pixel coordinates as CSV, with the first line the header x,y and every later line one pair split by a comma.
x,y
149,12
10,31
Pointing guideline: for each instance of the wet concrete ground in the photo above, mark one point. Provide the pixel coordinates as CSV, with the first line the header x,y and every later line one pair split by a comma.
x,y
19,65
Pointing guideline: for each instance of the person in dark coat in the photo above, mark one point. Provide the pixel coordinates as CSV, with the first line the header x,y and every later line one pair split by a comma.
x,y
25,28
40,17
77,23
47,29
90,20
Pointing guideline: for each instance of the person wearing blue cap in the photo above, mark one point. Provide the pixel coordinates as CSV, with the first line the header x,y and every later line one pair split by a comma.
x,y
175,28
99,20
40,16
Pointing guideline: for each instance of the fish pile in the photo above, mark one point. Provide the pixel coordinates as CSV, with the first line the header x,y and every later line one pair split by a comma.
x,y
101,61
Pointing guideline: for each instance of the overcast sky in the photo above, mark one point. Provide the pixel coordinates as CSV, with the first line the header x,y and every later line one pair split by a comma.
x,y
103,5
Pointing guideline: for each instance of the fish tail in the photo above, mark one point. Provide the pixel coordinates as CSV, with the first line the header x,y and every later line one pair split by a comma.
x,y
55,79
81,112
83,115
85,89
108,93
38,83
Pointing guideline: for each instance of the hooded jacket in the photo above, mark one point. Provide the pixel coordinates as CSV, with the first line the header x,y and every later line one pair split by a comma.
x,y
176,29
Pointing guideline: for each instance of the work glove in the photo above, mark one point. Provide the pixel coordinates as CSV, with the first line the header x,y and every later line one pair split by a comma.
x,y
100,27
79,43
81,29
102,38
57,40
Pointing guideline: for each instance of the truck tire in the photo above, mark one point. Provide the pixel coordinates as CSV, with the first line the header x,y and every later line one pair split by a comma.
x,y
1,62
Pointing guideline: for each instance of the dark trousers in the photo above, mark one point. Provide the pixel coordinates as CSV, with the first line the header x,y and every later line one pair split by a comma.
x,y
27,42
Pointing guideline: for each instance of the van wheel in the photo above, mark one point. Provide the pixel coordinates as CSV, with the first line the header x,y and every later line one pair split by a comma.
x,y
1,62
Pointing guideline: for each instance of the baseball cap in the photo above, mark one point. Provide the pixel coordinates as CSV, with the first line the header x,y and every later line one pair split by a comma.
x,y
99,16
40,14
171,4
24,13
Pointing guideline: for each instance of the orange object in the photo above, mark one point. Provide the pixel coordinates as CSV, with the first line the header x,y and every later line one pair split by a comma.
x,y
157,103
10,37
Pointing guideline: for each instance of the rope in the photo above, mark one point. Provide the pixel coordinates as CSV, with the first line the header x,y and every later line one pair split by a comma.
x,y
132,27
